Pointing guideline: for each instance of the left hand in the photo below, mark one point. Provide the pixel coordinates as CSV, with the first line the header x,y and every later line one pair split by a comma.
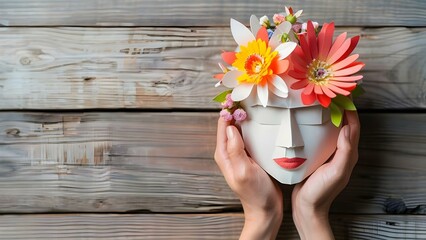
x,y
312,198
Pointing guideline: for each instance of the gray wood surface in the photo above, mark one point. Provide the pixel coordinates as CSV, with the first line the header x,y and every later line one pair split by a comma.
x,y
163,162
83,68
190,226
150,173
205,12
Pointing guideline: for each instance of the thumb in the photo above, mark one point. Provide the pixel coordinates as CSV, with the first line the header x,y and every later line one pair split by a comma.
x,y
235,146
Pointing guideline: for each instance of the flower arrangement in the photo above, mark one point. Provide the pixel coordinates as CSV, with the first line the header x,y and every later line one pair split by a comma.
x,y
289,49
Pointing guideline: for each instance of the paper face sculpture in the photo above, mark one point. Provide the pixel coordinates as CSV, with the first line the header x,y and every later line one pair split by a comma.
x,y
290,85
288,139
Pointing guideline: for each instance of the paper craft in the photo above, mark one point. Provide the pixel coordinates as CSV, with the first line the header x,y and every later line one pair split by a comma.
x,y
289,84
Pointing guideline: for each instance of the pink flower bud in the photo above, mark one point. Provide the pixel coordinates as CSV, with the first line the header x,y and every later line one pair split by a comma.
x,y
225,114
297,27
239,114
278,19
228,103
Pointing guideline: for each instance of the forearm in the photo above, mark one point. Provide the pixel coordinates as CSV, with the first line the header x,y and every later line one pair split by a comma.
x,y
261,226
313,224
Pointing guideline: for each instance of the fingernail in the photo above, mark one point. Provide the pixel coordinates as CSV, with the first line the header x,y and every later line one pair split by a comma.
x,y
347,131
229,132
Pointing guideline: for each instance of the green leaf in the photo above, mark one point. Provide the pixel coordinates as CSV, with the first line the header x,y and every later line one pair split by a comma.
x,y
221,97
336,114
344,102
358,91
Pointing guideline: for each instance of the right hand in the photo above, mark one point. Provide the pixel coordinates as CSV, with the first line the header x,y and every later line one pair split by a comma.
x,y
260,195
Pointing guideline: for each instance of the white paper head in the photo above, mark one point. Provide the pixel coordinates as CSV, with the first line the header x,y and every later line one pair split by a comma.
x,y
288,139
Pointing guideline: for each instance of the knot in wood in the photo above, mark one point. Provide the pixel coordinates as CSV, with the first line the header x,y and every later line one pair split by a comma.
x,y
25,61
395,206
13,132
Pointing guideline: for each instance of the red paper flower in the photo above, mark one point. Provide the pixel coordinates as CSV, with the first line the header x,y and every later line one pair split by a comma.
x,y
323,68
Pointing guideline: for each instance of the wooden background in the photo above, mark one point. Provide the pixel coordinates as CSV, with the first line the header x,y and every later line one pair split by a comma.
x,y
107,128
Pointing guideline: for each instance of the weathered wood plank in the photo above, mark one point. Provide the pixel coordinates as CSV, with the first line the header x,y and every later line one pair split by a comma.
x,y
195,226
204,12
163,162
110,162
81,68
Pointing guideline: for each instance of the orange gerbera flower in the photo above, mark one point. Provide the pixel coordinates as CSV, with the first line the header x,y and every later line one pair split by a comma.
x,y
323,68
258,62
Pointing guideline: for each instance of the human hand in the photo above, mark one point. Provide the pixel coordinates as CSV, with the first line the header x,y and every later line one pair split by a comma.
x,y
312,198
260,196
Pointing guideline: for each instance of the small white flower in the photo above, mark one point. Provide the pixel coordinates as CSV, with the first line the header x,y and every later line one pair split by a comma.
x,y
264,21
305,26
290,12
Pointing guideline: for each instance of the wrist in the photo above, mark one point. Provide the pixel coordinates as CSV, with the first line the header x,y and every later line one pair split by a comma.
x,y
312,223
263,224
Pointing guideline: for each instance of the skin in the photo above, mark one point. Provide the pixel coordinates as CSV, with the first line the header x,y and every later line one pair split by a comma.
x,y
261,196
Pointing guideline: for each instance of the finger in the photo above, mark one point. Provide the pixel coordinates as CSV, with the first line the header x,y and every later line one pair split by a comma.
x,y
342,157
235,148
221,133
353,121
221,142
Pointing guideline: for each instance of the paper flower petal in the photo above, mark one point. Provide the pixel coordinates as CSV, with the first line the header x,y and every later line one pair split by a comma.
x,y
336,55
312,40
318,90
288,79
230,78
285,49
299,56
254,24
308,99
354,42
263,35
343,84
328,92
241,92
347,79
262,94
280,66
277,92
324,100
297,74
309,89
338,90
299,84
326,40
337,43
228,57
279,83
345,62
298,13
305,48
287,11
242,35
349,71
276,36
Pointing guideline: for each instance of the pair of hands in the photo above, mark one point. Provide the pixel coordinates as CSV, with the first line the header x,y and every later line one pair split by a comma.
x,y
261,196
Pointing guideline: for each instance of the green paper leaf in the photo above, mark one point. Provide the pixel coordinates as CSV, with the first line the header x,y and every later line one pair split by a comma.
x,y
358,91
336,114
344,102
221,97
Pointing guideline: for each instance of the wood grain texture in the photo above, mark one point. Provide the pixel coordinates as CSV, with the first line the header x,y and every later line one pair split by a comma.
x,y
163,162
205,12
84,68
191,226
